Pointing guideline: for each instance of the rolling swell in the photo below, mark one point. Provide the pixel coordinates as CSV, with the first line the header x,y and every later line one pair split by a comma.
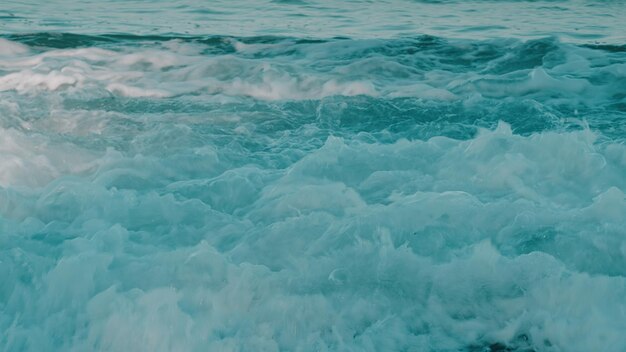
x,y
274,193
532,85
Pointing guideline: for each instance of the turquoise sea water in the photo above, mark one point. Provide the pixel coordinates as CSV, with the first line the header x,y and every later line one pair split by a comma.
x,y
313,176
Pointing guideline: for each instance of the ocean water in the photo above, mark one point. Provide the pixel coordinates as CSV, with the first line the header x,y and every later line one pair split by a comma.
x,y
307,175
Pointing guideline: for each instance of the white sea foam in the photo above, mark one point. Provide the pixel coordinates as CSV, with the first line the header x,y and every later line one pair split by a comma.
x,y
32,161
167,71
136,92
314,243
162,197
26,81
9,48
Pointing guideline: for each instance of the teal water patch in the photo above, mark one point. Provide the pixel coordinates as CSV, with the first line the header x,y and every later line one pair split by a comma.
x,y
577,21
266,190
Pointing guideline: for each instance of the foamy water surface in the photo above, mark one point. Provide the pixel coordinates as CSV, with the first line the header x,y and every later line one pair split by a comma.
x,y
313,176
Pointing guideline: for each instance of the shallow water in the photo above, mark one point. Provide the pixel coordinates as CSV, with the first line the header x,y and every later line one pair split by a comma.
x,y
311,176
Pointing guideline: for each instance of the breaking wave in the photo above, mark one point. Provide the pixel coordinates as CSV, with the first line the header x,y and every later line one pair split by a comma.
x,y
183,193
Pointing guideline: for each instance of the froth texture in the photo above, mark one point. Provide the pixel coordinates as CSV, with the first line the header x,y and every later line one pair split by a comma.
x,y
279,194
